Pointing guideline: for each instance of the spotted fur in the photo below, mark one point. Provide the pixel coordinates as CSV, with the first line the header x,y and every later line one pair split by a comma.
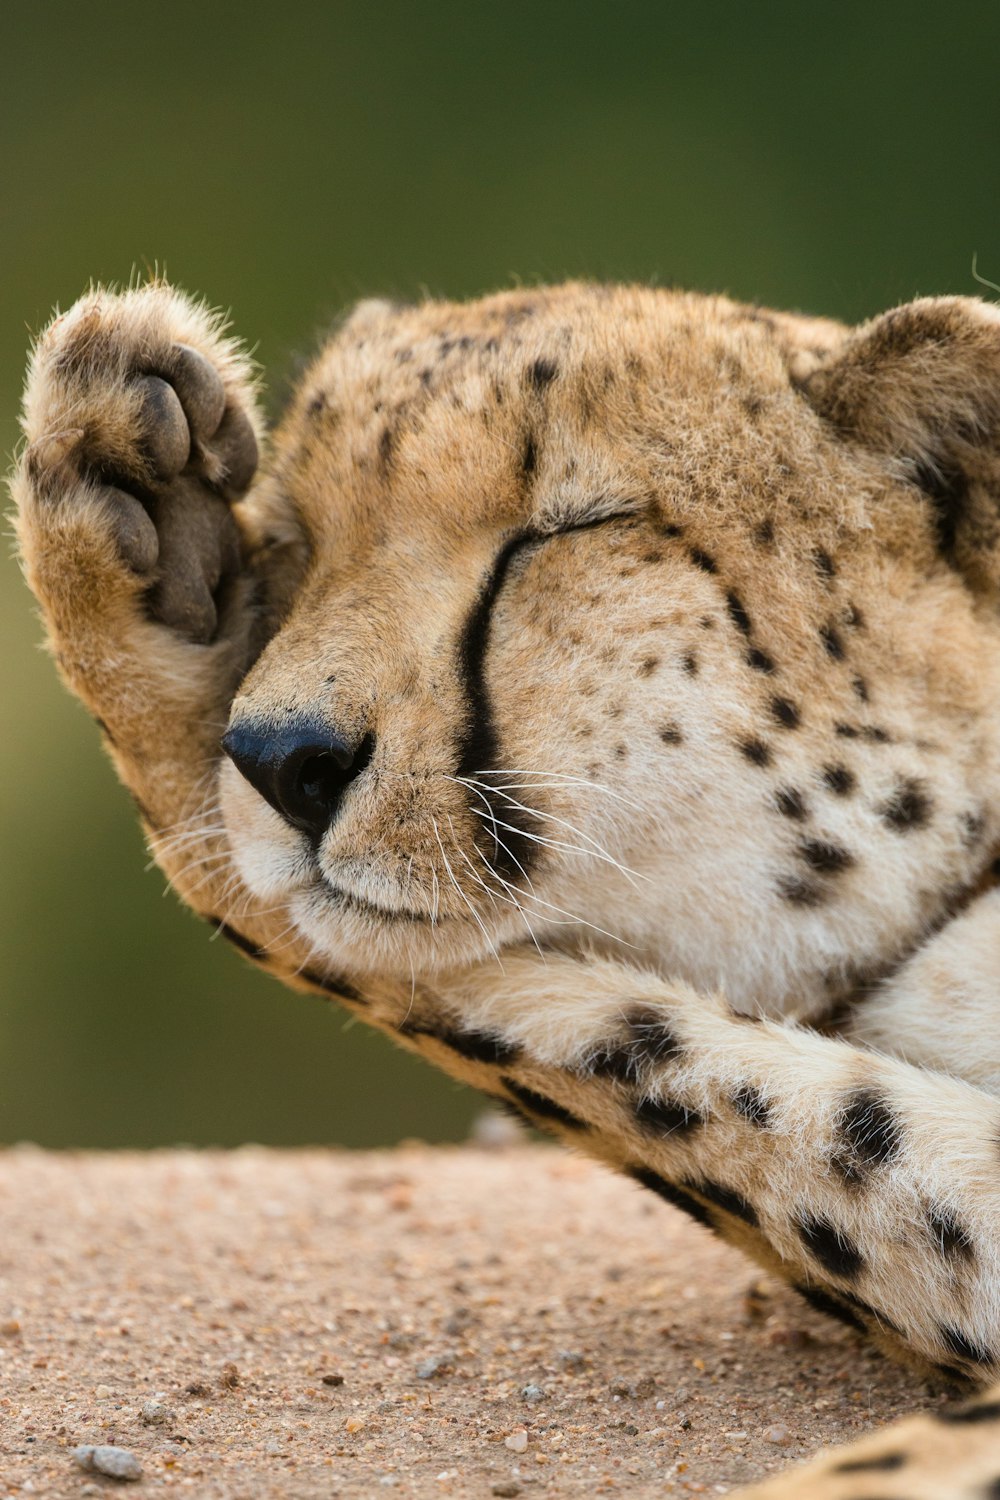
x,y
655,641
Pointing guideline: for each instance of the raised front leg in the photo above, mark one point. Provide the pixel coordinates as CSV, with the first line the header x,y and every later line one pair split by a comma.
x,y
141,437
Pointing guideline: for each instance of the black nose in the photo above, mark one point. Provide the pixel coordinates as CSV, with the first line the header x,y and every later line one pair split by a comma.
x,y
301,769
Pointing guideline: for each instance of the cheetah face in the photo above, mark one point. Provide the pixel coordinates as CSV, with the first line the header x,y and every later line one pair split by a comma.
x,y
573,564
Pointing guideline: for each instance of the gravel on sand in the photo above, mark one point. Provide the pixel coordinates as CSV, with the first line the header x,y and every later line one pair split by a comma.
x,y
443,1321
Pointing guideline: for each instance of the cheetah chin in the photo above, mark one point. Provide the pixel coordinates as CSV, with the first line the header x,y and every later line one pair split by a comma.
x,y
595,688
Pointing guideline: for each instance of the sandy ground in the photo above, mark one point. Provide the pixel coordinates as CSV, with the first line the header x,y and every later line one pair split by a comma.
x,y
317,1324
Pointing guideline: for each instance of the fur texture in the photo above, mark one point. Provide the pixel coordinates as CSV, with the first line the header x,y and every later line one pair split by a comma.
x,y
656,638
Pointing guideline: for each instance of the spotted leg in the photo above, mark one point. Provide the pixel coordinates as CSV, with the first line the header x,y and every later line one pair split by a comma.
x,y
871,1185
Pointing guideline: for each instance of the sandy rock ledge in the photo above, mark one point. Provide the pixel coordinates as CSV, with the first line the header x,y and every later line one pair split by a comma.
x,y
436,1321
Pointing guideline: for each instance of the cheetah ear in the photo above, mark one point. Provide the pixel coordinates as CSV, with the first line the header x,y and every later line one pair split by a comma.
x,y
921,385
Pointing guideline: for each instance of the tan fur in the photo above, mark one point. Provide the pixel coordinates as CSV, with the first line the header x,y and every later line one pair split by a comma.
x,y
742,674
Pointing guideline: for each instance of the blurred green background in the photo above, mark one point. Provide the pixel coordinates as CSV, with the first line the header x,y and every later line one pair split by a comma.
x,y
286,159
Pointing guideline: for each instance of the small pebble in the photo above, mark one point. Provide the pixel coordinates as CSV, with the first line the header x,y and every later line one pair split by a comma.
x,y
517,1442
116,1463
333,1379
435,1365
570,1359
532,1393
354,1424
778,1434
10,1328
229,1376
154,1413
507,1489
102,1392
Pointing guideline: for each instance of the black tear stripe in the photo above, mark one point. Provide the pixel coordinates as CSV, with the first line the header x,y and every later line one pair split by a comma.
x,y
835,1250
474,1045
542,1107
514,850
671,1194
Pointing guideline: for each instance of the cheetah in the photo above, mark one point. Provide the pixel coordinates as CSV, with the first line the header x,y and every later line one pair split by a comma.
x,y
596,689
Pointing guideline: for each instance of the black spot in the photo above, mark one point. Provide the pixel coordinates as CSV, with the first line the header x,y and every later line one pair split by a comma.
x,y
908,808
703,560
870,1134
785,712
847,731
840,780
670,734
948,489
824,564
542,373
737,613
824,1303
755,751
667,528
690,664
529,456
332,984
826,858
671,1194
832,643
386,447
798,892
749,1102
876,736
476,1046
666,1115
950,1236
542,1107
884,1464
968,1416
760,661
725,1198
957,1343
860,687
238,940
763,533
832,1247
646,1041
647,666
991,1490
791,803
853,617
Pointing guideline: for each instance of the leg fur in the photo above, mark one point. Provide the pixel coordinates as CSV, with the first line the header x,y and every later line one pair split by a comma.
x,y
872,1186
952,1455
